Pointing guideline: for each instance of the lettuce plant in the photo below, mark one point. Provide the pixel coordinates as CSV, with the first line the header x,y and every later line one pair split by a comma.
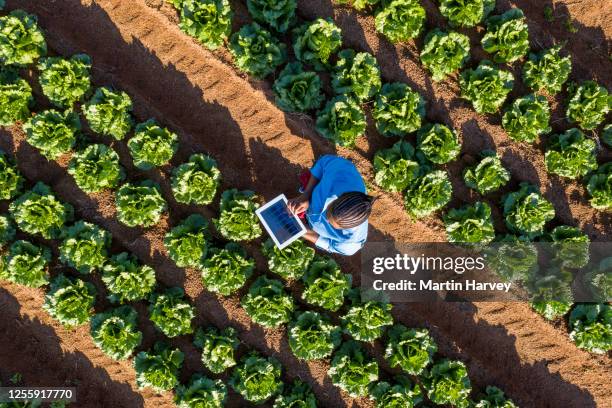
x,y
296,90
256,51
512,258
494,398
126,279
21,40
367,321
398,110
108,113
278,14
341,121
39,212
470,224
428,194
116,332
402,394
237,219
85,247
466,13
65,81
352,369
488,175
527,118
447,383
7,230
11,180
411,350
507,36
201,392
196,181
600,187
486,87
547,70
599,280
291,262
400,20
570,154
208,21
15,98
96,168
570,246
158,368
26,264
257,378
606,135
438,143
551,293
526,211
52,132
356,74
139,205
298,395
218,348
312,336
591,327
444,53
70,301
395,168
551,309
152,145
226,270
315,42
588,105
170,313
187,243
267,303
325,284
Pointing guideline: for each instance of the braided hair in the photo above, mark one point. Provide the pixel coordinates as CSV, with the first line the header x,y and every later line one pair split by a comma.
x,y
351,209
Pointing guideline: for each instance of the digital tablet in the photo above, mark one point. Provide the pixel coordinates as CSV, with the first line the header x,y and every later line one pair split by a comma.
x,y
283,226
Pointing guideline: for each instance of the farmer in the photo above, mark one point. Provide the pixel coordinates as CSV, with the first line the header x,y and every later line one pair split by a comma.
x,y
334,203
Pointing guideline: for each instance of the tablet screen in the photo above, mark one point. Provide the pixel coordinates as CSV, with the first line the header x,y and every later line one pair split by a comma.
x,y
280,221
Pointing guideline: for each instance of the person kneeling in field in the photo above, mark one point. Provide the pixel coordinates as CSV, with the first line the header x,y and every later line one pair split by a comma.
x,y
335,204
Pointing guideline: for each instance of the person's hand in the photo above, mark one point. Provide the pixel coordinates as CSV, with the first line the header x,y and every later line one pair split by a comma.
x,y
298,204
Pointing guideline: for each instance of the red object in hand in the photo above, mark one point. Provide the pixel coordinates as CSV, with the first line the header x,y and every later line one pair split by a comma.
x,y
304,178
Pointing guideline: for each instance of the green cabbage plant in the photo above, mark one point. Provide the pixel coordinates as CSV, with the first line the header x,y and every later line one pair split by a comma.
x,y
486,87
208,21
488,175
444,53
256,51
15,98
526,211
7,231
551,309
312,336
470,224
600,187
21,40
606,135
447,382
291,262
108,113
507,36
26,264
196,181
438,143
341,121
588,105
170,313
352,369
400,20
494,398
570,246
466,13
65,81
547,70
591,327
398,110
512,258
126,279
116,332
70,301
158,368
52,132
395,168
226,270
411,350
570,154
85,247
325,284
11,180
237,219
428,194
599,280
139,205
152,146
188,242
356,74
402,394
96,168
278,14
315,42
201,392
527,118
296,90
367,321
218,347
298,395
257,378
267,303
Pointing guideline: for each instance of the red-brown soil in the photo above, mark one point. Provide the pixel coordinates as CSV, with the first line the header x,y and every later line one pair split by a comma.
x,y
138,48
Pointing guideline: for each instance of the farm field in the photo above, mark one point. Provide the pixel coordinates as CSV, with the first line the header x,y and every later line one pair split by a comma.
x,y
214,108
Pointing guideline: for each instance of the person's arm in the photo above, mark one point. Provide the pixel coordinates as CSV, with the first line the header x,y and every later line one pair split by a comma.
x,y
338,247
300,203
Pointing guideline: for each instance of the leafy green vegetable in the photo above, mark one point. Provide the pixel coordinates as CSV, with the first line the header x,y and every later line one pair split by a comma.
x,y
297,90
52,132
428,194
398,110
312,336
395,168
267,303
187,243
170,313
226,270
300,395
512,258
116,332
494,398
315,42
466,13
438,143
208,21
526,211
570,154
527,118
26,264
341,121
278,14
7,230
444,53
402,394
325,284
551,293
606,135
96,168
70,301
599,280
139,205
237,220
39,212
108,113
158,368
411,350
400,20
11,180
65,81
356,74
488,175
291,262
21,40
256,51
352,369
600,187
85,247
201,392
486,87
507,36
126,279
551,309
470,224
588,105
591,327
196,181
15,98
547,70
218,348
368,321
152,145
570,246
257,378
447,383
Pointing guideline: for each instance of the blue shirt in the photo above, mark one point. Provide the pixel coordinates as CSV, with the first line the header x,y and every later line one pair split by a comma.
x,y
336,176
